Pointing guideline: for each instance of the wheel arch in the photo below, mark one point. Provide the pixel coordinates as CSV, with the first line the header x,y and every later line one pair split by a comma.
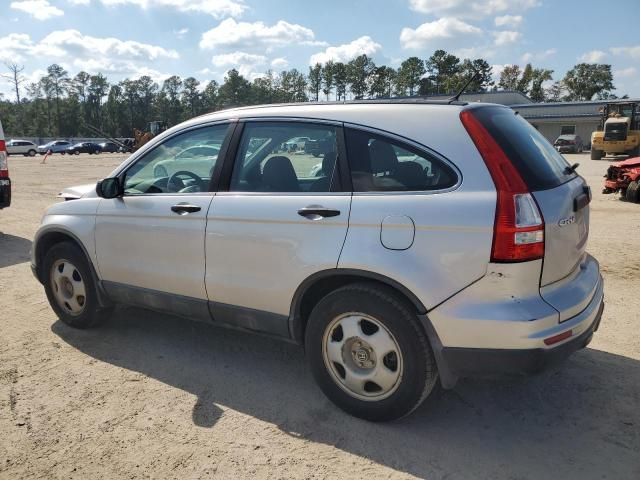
x,y
53,236
318,285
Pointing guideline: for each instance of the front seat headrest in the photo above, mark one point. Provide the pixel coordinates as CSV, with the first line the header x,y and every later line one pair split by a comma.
x,y
278,175
383,157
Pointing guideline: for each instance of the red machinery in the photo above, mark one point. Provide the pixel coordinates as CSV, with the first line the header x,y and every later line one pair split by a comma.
x,y
624,177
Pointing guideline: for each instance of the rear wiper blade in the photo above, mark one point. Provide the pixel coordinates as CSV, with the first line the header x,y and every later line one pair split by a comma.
x,y
571,169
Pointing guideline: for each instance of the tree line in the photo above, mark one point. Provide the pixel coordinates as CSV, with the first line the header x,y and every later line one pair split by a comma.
x,y
61,105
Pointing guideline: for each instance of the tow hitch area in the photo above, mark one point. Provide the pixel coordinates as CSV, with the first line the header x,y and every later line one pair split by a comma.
x,y
624,177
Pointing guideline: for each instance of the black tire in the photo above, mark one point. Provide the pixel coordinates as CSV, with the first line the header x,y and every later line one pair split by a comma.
x,y
92,314
634,152
596,154
419,373
632,193
31,153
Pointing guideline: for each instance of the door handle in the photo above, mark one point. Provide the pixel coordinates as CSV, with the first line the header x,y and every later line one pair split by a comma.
x,y
314,212
185,208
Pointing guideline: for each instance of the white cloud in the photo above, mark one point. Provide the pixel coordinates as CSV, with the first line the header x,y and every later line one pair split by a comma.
x,y
625,72
594,56
72,42
633,52
443,28
38,9
106,55
280,63
528,56
231,34
506,37
245,63
181,33
473,8
79,2
215,8
511,21
236,58
348,51
483,51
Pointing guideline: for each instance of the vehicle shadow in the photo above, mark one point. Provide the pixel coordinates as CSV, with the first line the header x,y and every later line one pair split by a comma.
x,y
579,421
13,250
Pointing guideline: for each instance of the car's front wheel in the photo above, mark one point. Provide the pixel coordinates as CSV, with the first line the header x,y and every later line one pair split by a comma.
x,y
31,153
70,287
368,352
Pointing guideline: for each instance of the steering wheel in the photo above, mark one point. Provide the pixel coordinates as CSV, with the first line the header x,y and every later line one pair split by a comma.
x,y
175,183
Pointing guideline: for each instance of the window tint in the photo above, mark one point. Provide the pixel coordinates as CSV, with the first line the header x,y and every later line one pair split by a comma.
x,y
540,165
379,163
181,164
285,157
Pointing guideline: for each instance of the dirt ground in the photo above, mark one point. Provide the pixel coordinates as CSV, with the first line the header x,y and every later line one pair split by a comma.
x,y
152,396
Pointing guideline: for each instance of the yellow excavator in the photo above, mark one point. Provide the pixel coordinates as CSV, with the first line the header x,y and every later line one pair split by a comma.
x,y
619,131
130,145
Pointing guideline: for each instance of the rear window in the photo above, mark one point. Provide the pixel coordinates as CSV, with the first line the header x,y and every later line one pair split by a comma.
x,y
540,165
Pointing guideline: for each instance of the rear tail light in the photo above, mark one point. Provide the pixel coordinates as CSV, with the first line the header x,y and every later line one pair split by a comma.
x,y
4,166
518,231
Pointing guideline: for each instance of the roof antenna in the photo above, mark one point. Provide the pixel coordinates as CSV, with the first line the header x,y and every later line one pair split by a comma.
x,y
456,97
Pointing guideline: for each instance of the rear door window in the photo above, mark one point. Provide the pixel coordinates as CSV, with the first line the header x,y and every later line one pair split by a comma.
x,y
379,163
277,157
539,164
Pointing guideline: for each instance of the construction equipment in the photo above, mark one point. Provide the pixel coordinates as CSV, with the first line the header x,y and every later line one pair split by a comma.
x,y
139,137
153,129
624,177
618,132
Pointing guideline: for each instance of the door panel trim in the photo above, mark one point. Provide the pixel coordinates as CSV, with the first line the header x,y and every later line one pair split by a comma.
x,y
228,316
189,307
250,319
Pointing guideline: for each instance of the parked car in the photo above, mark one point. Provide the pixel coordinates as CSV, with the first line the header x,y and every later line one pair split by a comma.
x,y
21,147
57,146
197,159
391,270
295,144
108,147
5,181
316,147
84,147
569,144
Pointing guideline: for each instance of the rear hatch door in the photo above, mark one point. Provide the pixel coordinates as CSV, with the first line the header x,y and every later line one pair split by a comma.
x,y
561,194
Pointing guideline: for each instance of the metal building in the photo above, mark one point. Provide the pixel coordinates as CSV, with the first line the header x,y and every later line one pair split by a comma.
x,y
551,119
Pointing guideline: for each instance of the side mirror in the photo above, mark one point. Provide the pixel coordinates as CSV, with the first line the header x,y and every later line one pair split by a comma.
x,y
109,188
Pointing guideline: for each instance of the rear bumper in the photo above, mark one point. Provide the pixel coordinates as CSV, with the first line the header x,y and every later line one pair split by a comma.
x,y
5,192
477,361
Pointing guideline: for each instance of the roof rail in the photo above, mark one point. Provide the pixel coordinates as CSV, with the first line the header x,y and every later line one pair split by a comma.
x,y
417,100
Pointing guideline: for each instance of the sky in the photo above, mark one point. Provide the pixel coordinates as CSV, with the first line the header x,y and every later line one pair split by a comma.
x,y
206,38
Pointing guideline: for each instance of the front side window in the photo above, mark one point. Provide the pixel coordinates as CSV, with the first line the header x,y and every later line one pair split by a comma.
x,y
286,157
182,164
379,163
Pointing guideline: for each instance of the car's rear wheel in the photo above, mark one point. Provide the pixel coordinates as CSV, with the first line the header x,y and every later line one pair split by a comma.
x,y
596,154
632,193
70,287
368,352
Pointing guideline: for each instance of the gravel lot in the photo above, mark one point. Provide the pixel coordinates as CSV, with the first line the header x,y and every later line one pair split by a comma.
x,y
152,396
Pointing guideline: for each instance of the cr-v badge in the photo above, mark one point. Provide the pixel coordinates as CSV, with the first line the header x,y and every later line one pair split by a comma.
x,y
563,222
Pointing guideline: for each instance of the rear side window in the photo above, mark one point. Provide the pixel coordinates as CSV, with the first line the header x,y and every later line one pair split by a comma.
x,y
379,163
539,164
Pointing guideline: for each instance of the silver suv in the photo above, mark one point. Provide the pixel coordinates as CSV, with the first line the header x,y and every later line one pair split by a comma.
x,y
434,241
